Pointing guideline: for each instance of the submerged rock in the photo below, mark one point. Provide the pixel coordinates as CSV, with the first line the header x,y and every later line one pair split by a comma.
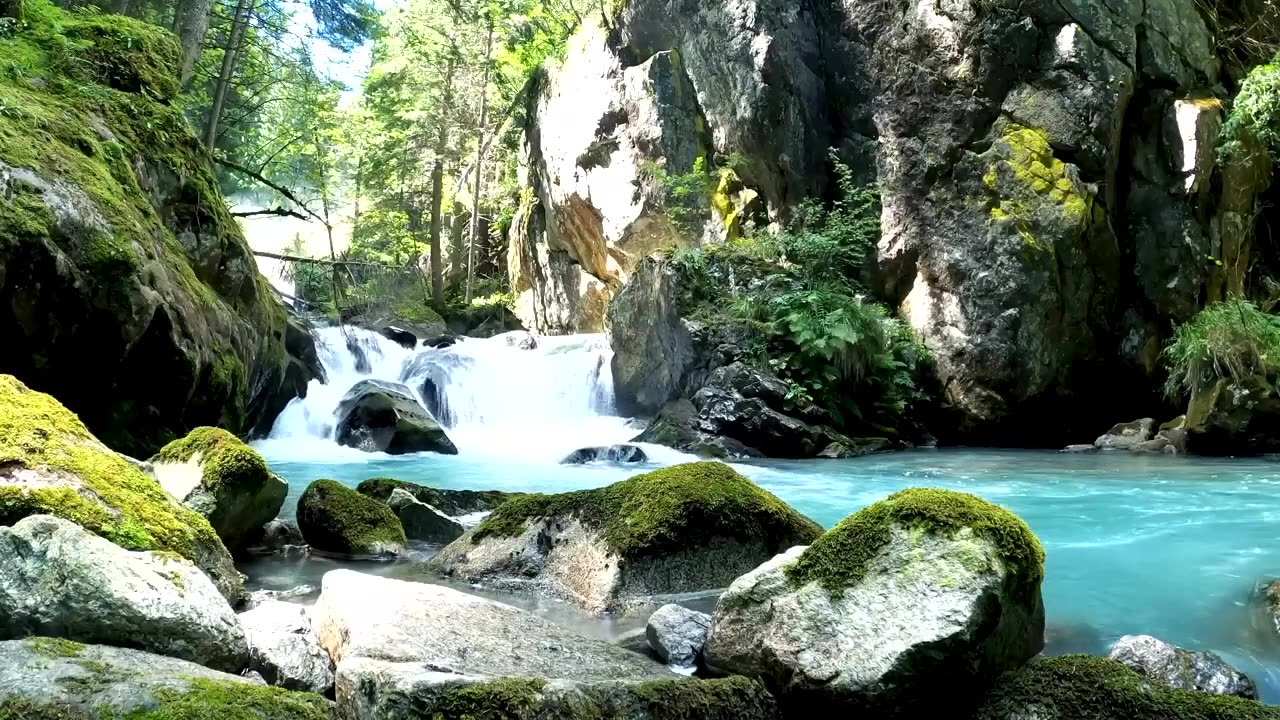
x,y
223,479
1072,687
380,416
678,634
857,448
1126,436
613,453
421,521
56,579
451,502
449,631
51,464
679,529
371,689
284,648
54,679
1182,669
334,518
278,536
914,603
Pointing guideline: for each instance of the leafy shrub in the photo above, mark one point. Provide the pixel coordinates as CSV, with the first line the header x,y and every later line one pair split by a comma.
x,y
1256,111
1233,340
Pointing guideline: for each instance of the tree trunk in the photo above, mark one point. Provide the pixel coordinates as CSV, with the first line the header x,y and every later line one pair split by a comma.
x,y
190,23
230,55
480,148
437,186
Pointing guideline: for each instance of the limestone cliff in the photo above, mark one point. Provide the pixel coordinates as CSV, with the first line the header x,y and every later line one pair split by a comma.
x,y
126,289
1051,201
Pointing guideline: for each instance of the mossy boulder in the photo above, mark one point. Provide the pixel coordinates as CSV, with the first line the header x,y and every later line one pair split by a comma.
x,y
911,605
334,518
117,244
679,529
50,464
49,679
220,477
1080,687
454,503
379,416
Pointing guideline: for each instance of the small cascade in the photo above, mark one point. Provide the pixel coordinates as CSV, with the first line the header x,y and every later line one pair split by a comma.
x,y
514,396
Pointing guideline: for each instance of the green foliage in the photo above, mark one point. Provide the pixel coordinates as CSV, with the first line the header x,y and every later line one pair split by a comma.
x,y
795,301
1232,340
665,511
686,196
1255,113
842,556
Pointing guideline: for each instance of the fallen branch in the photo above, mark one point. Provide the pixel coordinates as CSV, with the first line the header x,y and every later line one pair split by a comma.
x,y
279,211
321,261
288,195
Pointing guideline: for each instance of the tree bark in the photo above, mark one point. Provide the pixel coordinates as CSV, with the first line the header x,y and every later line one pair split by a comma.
x,y
190,23
480,148
437,184
230,55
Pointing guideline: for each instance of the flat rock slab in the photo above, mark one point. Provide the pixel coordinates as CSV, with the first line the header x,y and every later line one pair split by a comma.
x,y
366,616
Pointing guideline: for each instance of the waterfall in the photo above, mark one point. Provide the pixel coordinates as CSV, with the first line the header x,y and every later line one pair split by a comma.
x,y
515,396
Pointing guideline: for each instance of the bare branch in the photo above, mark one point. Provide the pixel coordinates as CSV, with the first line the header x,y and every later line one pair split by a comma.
x,y
288,194
279,211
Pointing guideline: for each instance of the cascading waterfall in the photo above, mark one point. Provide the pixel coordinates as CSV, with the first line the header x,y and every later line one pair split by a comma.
x,y
512,396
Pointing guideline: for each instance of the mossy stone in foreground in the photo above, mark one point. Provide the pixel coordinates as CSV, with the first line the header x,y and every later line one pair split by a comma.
x,y
665,511
842,556
1080,687
53,465
335,518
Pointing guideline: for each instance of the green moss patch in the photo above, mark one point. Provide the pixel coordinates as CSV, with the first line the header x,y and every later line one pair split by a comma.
x,y
225,460
733,698
105,494
228,700
336,518
842,557
1091,688
54,647
665,511
503,699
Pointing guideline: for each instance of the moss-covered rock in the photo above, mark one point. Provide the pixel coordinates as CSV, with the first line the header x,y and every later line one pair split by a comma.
x,y
220,477
50,464
116,242
45,680
679,529
1079,687
449,502
909,607
335,518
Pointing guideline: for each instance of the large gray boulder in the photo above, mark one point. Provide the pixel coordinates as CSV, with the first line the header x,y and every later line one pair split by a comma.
x,y
913,604
370,689
422,521
361,615
678,634
54,679
684,528
380,416
1182,669
284,648
58,580
223,479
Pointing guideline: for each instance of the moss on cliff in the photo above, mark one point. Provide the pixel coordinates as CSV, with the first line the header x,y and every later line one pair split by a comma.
x,y
665,511
1026,177
843,556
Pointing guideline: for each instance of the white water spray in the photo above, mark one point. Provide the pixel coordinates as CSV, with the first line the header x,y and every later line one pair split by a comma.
x,y
513,396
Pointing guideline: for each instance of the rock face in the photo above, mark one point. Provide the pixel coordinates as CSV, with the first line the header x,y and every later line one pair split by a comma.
x,y
1046,172
450,631
653,351
51,464
381,416
119,247
284,649
1182,669
1070,687
679,529
677,634
421,521
1227,419
914,603
677,425
223,479
54,678
613,454
58,580
450,502
334,518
